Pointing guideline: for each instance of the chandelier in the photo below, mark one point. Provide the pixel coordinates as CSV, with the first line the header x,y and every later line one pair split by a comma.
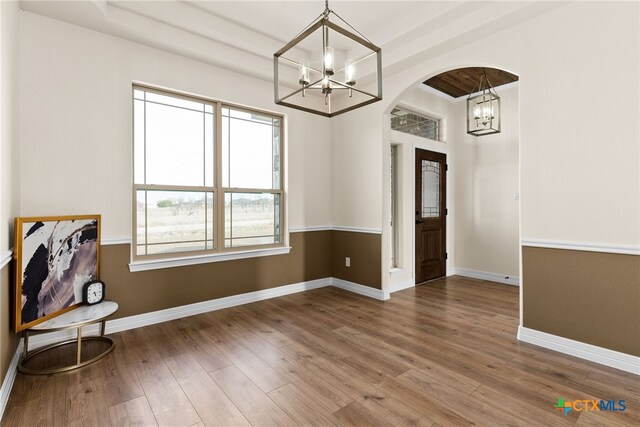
x,y
316,71
483,109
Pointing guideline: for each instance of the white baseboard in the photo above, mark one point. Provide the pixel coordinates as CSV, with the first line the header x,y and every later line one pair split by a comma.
x,y
9,378
395,287
146,319
492,277
140,320
360,289
603,356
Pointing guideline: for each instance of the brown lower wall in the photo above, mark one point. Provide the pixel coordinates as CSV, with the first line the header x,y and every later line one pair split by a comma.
x,y
364,249
8,339
314,255
591,297
146,291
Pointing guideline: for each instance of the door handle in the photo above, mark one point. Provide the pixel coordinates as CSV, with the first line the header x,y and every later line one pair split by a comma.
x,y
418,221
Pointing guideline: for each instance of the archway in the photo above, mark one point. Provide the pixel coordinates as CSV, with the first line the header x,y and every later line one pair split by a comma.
x,y
483,225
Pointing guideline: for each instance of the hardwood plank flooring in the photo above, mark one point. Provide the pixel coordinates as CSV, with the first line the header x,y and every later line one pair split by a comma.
x,y
442,354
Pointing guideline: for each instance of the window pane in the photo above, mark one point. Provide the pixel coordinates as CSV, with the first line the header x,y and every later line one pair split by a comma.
x,y
225,151
251,150
250,115
430,189
174,146
177,217
138,141
164,248
175,169
141,220
138,94
276,156
210,243
251,219
208,150
415,124
175,101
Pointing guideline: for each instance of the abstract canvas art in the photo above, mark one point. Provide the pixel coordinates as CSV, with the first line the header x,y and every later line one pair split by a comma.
x,y
55,257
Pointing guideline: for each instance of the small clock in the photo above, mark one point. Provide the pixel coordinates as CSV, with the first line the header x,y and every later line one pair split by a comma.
x,y
93,292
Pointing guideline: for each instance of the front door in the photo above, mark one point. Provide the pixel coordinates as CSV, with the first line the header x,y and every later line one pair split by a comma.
x,y
431,215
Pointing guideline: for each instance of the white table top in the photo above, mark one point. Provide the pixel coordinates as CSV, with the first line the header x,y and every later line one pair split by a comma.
x,y
78,316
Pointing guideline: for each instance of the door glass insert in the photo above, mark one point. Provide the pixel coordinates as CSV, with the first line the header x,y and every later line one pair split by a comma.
x,y
430,189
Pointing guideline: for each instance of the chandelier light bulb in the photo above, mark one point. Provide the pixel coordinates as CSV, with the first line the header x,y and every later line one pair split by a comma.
x,y
476,113
326,85
329,59
303,75
303,72
326,89
350,73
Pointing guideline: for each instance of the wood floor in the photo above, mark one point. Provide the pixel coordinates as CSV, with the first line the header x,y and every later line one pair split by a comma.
x,y
444,353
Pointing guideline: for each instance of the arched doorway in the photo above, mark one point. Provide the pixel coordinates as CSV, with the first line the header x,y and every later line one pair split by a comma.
x,y
481,211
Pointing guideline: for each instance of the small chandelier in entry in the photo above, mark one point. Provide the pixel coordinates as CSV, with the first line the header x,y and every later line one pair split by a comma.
x,y
316,71
483,108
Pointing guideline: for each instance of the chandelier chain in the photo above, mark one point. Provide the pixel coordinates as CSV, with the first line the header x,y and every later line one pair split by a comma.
x,y
310,24
351,26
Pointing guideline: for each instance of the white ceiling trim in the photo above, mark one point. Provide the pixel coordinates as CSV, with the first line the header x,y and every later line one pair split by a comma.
x,y
195,31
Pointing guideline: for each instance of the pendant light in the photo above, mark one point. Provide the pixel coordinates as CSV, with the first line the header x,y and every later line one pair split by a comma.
x,y
326,58
483,108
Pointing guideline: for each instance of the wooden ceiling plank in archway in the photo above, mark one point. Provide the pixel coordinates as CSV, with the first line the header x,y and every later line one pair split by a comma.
x,y
461,81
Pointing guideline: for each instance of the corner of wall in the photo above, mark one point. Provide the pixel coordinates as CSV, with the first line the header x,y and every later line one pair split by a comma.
x,y
9,169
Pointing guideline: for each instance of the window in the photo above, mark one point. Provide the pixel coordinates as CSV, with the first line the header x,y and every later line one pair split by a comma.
x,y
394,206
415,124
207,176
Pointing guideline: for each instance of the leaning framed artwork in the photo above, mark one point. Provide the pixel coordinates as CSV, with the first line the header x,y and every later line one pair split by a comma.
x,y
55,257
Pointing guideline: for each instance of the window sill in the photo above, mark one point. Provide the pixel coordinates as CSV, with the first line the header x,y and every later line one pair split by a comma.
x,y
156,264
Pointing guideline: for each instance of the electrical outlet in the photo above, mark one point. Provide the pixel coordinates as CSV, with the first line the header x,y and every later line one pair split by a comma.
x,y
347,262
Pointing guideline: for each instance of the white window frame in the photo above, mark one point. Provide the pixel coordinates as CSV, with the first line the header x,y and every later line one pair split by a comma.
x,y
219,253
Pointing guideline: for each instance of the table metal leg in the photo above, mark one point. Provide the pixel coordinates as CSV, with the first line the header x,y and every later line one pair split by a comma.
x,y
25,349
79,344
102,326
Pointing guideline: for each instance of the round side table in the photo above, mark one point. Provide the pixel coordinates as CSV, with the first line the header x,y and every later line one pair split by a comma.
x,y
74,319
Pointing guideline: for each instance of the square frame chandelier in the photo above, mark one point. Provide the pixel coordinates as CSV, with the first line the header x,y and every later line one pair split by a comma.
x,y
483,109
320,82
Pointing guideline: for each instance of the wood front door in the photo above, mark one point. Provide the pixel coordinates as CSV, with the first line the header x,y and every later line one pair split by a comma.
x,y
431,215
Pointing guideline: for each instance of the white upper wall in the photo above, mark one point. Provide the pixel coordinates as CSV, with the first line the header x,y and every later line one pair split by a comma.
x,y
9,122
580,179
580,174
487,191
580,140
76,124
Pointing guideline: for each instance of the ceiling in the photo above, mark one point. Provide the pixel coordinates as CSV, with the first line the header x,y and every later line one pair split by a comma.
x,y
243,35
379,21
463,81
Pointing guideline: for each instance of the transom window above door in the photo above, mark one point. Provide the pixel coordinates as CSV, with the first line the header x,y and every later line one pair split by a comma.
x,y
415,124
